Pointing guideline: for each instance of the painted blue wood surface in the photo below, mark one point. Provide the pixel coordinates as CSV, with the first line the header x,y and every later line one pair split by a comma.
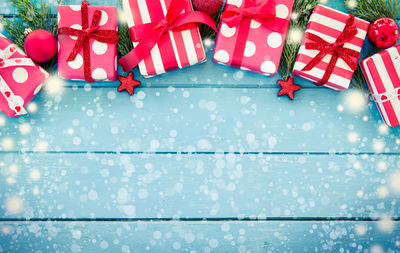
x,y
257,237
205,143
196,186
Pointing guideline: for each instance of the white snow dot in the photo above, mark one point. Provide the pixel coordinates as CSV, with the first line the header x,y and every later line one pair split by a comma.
x,y
14,205
213,243
142,193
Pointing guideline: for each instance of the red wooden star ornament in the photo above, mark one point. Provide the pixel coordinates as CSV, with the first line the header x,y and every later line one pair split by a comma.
x,y
128,83
288,87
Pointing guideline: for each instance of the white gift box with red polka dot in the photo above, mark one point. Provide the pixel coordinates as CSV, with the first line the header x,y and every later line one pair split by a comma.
x,y
328,24
175,49
103,56
20,79
382,72
263,48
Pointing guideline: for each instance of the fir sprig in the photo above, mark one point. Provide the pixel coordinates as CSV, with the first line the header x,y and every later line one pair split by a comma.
x,y
33,15
125,42
372,9
301,12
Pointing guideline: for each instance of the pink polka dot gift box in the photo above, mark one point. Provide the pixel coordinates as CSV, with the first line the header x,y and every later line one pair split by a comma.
x,y
382,71
252,34
87,37
20,79
330,48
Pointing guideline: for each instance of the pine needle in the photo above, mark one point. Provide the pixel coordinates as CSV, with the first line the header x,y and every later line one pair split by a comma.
x,y
125,42
371,10
30,15
301,12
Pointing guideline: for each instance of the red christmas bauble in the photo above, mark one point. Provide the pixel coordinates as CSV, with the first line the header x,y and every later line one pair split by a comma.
x,y
383,32
210,7
40,45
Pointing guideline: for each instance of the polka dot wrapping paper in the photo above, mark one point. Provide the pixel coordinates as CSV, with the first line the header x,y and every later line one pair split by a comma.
x,y
263,48
382,72
20,79
103,56
175,49
328,24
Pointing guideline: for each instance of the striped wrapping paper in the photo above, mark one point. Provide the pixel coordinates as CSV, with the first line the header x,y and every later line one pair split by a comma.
x,y
382,72
175,50
328,24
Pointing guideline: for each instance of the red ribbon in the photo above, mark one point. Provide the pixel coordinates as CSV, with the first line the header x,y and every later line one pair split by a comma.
x,y
263,13
149,34
104,36
336,48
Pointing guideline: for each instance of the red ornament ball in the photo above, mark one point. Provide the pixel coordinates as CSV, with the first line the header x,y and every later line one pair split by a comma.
x,y
40,45
383,32
210,7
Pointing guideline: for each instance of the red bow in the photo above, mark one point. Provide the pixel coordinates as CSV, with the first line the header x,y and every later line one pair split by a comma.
x,y
105,36
149,34
336,48
263,13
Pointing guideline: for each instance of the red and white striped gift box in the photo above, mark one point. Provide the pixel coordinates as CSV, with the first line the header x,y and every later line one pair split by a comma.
x,y
382,72
176,49
328,24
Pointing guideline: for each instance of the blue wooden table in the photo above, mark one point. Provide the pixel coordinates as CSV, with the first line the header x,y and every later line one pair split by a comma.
x,y
206,159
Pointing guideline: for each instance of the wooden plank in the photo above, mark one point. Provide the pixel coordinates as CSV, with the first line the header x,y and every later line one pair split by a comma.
x,y
224,236
197,120
165,186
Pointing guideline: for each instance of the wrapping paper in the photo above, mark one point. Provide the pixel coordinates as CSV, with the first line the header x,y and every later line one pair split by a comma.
x,y
328,24
20,79
382,72
263,47
103,56
175,50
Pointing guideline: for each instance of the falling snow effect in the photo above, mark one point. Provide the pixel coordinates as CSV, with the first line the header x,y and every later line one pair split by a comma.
x,y
175,150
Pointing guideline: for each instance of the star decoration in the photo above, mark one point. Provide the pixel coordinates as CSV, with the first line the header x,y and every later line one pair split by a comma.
x,y
128,83
288,87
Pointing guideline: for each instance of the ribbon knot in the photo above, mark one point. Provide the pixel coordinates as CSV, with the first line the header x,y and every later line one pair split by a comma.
x,y
84,34
262,12
149,34
336,49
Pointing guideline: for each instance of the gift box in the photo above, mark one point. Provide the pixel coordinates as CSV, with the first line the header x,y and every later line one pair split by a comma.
x,y
175,49
20,79
87,51
253,44
330,48
382,72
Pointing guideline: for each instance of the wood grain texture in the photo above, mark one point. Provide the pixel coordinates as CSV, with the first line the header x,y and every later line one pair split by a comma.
x,y
196,186
198,120
257,237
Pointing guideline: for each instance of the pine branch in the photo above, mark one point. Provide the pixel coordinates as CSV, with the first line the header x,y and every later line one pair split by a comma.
x,y
301,12
31,15
125,44
370,10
